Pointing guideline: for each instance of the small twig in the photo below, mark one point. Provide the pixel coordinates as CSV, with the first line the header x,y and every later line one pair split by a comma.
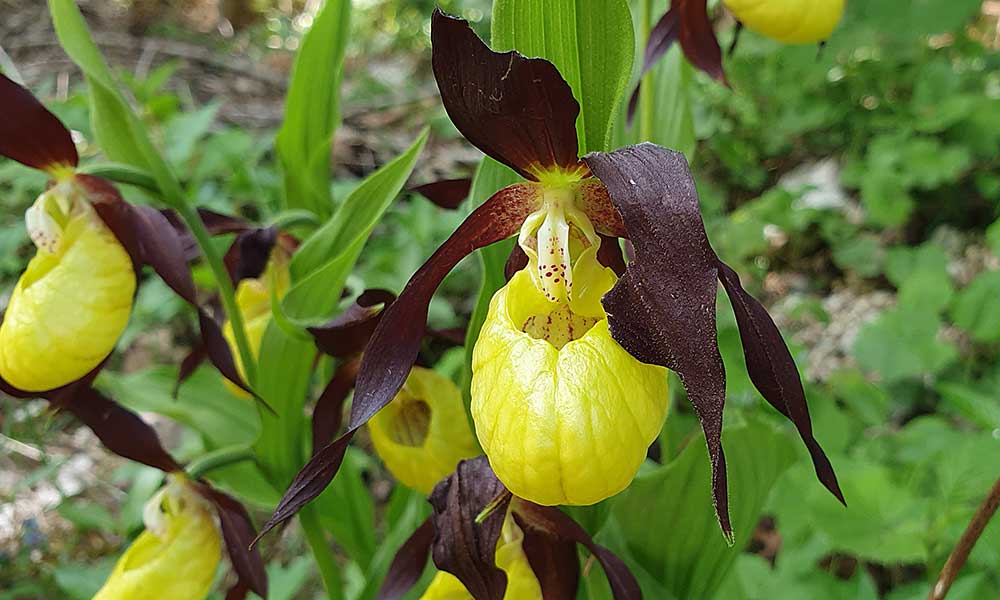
x,y
965,544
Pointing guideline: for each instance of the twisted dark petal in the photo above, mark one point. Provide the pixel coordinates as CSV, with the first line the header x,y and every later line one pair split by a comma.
x,y
698,40
394,346
772,371
408,564
247,257
348,333
447,193
464,547
515,262
29,133
238,533
518,110
663,309
610,254
661,37
557,525
328,414
553,561
119,429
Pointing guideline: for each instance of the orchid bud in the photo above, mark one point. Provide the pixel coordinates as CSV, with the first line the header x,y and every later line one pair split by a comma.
x,y
563,412
789,21
72,303
178,553
423,433
253,298
522,583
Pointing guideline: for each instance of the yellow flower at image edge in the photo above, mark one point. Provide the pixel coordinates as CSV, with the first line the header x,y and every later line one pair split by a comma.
x,y
423,433
176,556
73,301
789,21
522,584
564,413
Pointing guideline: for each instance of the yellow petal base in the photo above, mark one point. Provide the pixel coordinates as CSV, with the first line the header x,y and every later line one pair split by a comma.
x,y
68,309
561,425
522,584
423,433
789,21
178,561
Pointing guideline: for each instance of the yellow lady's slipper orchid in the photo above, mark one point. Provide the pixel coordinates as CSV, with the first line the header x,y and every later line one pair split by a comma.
x,y
522,584
423,433
564,413
789,21
176,556
253,297
73,301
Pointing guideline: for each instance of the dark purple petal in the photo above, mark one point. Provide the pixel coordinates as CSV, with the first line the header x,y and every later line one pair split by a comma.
x,y
464,547
247,257
238,591
238,533
119,429
189,365
518,110
662,311
661,37
515,262
447,193
394,346
553,560
29,133
309,482
328,414
610,254
408,564
772,371
555,523
698,40
348,333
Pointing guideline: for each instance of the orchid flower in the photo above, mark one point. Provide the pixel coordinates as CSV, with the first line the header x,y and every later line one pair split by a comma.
x,y
569,372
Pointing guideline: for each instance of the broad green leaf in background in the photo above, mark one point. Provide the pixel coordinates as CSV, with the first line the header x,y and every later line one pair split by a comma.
x,y
321,265
903,342
592,45
667,519
312,110
976,309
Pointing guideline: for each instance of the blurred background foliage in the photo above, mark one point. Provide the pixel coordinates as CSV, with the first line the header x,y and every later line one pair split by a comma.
x,y
856,185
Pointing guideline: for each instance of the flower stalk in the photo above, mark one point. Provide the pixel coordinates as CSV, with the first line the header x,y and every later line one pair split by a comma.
x,y
328,569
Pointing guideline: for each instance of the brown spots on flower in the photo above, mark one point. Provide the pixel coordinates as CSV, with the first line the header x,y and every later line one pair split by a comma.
x,y
559,327
592,198
411,423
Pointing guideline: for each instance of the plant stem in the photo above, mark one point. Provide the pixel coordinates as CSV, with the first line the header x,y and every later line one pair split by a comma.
x,y
328,569
223,457
226,292
646,89
965,544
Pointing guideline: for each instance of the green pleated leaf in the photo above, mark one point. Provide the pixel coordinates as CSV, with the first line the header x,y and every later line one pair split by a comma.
x,y
666,515
312,110
121,135
591,43
321,265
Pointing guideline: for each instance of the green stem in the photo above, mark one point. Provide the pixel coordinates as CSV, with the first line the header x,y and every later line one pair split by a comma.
x,y
328,569
226,291
122,173
646,91
223,457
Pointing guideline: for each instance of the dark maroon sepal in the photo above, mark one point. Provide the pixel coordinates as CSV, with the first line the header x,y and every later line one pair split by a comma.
x,y
328,414
348,333
238,533
394,346
466,541
662,310
408,564
610,254
559,528
697,38
518,110
29,133
661,37
447,193
119,429
553,560
516,261
248,255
